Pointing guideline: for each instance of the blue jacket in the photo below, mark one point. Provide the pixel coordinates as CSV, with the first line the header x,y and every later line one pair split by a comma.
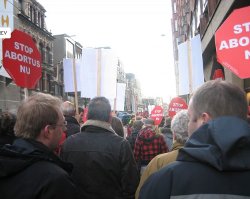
x,y
215,163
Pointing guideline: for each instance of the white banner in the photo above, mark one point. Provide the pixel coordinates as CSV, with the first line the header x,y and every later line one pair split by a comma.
x,y
196,65
120,96
108,73
183,69
69,76
7,20
89,73
197,62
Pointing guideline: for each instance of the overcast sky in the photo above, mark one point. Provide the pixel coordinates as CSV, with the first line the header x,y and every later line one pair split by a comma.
x,y
139,32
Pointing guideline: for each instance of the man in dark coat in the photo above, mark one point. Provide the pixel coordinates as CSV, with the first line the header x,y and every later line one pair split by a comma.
x,y
104,166
214,162
29,168
69,113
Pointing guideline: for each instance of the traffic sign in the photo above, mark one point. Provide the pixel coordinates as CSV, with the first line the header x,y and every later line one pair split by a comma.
x,y
22,60
157,114
176,105
232,41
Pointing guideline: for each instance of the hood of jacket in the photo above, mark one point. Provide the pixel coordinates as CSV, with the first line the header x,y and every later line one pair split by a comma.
x,y
223,143
147,135
23,153
97,123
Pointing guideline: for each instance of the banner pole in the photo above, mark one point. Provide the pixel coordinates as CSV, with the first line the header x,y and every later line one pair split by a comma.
x,y
75,85
99,67
189,50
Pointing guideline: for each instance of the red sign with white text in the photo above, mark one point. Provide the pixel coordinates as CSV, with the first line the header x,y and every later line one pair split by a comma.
x,y
22,60
176,105
232,41
157,114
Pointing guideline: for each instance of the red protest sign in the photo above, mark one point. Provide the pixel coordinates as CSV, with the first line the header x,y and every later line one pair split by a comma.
x,y
232,41
157,114
22,60
176,105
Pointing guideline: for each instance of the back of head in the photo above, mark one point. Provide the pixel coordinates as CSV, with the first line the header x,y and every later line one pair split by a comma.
x,y
68,108
99,109
219,98
35,113
116,124
179,126
148,122
137,125
7,122
167,122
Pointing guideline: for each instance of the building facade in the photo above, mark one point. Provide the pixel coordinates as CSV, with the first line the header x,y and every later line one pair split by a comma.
x,y
29,17
204,17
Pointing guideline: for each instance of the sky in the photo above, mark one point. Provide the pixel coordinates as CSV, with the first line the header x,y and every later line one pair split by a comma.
x,y
138,31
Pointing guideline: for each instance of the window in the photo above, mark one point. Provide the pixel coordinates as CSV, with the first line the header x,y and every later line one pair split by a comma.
x,y
42,52
175,25
174,7
48,56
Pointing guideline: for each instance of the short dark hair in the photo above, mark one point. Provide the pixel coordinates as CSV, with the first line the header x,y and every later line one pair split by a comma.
x,y
99,109
220,98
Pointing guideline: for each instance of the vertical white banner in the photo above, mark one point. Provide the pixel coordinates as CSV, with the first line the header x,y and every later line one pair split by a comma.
x,y
120,96
88,73
183,69
196,65
68,74
197,62
7,20
108,74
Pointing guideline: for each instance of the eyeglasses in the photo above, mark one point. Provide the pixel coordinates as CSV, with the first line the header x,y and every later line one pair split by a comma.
x,y
63,125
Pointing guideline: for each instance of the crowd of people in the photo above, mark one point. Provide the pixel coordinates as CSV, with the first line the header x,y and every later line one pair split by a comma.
x,y
47,151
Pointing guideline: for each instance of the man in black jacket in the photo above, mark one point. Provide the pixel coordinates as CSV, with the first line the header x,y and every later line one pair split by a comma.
x,y
214,162
69,113
29,168
104,166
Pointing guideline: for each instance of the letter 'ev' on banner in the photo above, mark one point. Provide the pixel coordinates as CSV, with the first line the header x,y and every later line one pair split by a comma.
x,y
232,40
22,60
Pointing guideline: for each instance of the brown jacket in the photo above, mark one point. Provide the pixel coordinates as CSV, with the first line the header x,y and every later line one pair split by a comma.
x,y
157,163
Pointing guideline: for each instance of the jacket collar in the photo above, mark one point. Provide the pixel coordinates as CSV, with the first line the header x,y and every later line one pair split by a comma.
x,y
97,123
176,146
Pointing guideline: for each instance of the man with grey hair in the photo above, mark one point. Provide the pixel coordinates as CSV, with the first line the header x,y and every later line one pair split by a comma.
x,y
69,113
214,163
29,167
179,128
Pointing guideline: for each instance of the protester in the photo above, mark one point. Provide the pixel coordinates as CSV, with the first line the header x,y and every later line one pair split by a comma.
x,y
137,126
117,126
179,127
7,122
69,113
149,143
214,163
167,133
29,168
104,167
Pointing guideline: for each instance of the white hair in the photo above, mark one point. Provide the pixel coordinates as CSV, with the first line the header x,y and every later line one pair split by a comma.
x,y
179,126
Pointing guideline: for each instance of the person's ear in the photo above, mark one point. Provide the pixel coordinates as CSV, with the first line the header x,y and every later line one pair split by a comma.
x,y
205,117
47,131
110,117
